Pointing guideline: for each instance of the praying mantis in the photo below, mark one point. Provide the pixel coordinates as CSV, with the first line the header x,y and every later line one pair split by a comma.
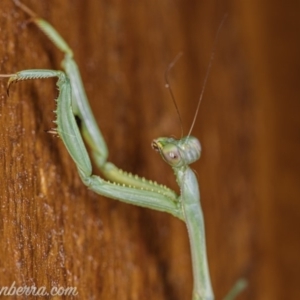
x,y
179,154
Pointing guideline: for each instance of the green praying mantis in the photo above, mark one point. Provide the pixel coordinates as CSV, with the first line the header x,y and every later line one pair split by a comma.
x,y
179,154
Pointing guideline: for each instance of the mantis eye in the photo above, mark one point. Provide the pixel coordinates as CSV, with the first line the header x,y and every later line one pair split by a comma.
x,y
169,152
171,155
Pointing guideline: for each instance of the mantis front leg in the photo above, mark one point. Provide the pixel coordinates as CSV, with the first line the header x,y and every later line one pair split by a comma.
x,y
126,187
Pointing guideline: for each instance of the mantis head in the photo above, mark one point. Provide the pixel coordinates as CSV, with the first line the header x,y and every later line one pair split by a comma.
x,y
178,153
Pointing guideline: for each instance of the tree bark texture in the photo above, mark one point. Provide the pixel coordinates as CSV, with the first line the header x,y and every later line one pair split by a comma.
x,y
55,232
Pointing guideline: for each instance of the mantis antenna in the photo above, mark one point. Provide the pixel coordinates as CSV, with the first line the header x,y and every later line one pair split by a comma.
x,y
207,73
168,86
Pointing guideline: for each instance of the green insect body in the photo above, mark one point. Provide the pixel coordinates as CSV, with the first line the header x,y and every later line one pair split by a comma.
x,y
72,102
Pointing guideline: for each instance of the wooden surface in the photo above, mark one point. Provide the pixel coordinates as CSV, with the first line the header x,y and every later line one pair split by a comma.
x,y
55,232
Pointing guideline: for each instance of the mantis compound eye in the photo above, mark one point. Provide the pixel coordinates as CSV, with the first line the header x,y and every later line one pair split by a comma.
x,y
171,155
168,151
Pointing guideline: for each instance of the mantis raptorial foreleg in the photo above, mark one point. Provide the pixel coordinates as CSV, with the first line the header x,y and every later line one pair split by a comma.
x,y
71,102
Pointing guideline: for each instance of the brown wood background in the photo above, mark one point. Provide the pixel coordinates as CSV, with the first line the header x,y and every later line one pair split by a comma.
x,y
54,232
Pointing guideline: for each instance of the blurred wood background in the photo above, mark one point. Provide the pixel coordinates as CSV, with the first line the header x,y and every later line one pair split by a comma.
x,y
54,232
